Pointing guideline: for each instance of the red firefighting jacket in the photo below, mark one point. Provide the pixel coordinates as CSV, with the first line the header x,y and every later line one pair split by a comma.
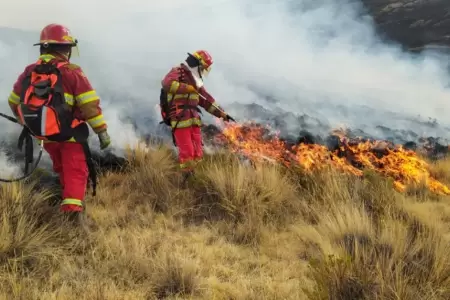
x,y
78,93
176,83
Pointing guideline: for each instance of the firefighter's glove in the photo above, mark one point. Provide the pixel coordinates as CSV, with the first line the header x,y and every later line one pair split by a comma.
x,y
104,139
228,118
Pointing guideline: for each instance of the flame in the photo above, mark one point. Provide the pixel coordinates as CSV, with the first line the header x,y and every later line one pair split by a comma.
x,y
404,166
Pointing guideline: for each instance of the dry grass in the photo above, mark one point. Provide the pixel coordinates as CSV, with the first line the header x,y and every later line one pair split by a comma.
x,y
237,232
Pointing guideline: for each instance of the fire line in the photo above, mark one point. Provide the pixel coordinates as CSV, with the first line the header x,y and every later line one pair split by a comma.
x,y
404,166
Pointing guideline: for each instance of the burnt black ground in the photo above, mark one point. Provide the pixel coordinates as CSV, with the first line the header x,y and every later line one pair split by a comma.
x,y
413,23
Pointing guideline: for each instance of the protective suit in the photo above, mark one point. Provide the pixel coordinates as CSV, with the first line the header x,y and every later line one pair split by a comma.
x,y
68,156
181,94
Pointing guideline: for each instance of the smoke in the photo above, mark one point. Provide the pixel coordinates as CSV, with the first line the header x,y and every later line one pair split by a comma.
x,y
318,57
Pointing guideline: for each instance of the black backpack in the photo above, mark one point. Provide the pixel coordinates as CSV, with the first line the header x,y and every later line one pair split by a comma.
x,y
164,105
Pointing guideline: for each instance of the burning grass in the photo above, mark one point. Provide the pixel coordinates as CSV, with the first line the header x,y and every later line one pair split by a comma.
x,y
404,166
240,231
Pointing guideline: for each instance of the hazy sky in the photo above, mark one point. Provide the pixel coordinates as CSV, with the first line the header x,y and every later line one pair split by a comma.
x,y
311,59
72,13
317,54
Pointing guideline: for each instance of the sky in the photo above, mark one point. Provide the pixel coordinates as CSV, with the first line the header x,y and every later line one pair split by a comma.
x,y
316,57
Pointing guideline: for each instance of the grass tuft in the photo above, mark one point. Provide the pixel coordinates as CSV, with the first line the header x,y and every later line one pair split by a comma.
x,y
235,231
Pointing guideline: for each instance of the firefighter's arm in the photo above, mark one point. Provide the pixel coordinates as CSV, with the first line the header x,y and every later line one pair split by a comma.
x,y
210,105
14,97
13,102
87,100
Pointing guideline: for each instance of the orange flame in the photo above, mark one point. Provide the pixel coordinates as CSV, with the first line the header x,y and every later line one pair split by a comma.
x,y
404,166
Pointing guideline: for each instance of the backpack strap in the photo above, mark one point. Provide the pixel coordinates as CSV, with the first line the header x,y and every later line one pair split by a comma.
x,y
24,86
58,89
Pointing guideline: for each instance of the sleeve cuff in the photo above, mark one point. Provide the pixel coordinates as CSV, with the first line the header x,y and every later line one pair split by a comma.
x,y
97,123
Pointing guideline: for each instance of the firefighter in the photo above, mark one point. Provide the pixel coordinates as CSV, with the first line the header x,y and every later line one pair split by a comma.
x,y
181,94
69,156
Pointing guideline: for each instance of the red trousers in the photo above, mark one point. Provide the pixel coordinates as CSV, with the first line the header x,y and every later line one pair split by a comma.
x,y
69,162
190,146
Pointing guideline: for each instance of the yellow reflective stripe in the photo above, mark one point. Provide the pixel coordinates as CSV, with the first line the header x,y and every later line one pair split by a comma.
x,y
187,164
174,87
190,164
97,121
192,96
69,99
14,98
46,57
72,201
189,96
212,109
87,97
186,123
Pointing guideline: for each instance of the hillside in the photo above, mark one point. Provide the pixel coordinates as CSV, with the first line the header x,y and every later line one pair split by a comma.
x,y
413,23
320,212
239,231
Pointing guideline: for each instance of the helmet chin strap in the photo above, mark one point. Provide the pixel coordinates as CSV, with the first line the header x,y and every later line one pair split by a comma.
x,y
199,72
77,50
68,55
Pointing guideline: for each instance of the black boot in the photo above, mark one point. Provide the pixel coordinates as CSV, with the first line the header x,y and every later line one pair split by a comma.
x,y
186,177
77,219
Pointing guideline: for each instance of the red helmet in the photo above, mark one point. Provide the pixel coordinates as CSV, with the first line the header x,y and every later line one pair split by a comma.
x,y
205,60
56,34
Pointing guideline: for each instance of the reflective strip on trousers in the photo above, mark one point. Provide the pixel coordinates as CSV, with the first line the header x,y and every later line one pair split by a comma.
x,y
72,201
189,164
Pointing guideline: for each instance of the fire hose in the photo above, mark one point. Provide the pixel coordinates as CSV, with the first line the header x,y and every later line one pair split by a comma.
x,y
25,136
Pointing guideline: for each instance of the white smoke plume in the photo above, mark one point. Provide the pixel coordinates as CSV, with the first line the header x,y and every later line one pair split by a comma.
x,y
317,57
